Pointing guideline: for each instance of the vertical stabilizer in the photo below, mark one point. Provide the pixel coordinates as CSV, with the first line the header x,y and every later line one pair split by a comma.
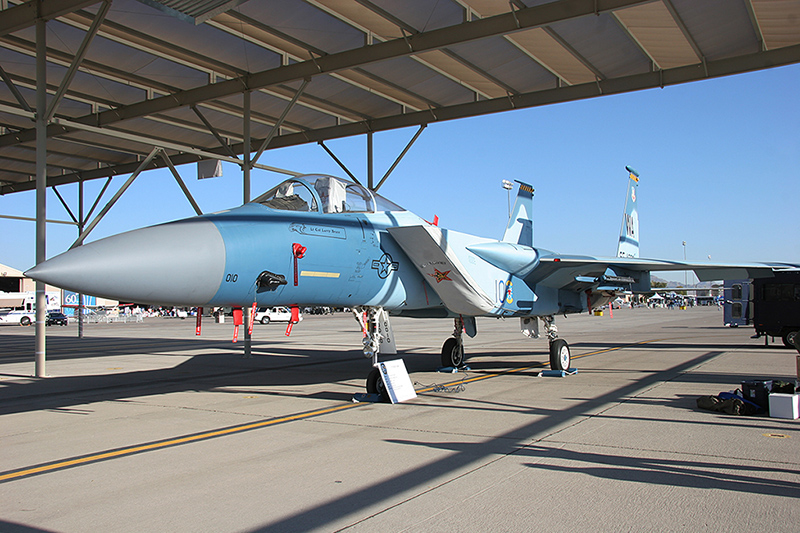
x,y
629,232
520,224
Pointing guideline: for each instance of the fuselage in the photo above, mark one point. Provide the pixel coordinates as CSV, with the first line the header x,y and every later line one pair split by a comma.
x,y
312,240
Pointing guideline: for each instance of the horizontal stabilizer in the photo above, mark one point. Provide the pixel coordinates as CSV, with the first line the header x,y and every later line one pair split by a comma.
x,y
513,258
428,249
703,271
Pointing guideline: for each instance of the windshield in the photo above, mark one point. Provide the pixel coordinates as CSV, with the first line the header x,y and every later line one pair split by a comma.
x,y
324,193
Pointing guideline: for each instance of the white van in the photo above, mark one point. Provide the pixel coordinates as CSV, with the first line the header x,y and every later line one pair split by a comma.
x,y
23,318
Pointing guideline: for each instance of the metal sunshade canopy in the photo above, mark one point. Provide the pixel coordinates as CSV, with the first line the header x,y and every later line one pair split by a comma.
x,y
125,77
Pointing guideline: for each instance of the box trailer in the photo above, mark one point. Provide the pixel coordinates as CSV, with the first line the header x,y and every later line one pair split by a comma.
x,y
775,304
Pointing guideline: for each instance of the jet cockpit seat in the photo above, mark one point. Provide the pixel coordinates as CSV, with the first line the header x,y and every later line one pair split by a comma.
x,y
286,199
332,193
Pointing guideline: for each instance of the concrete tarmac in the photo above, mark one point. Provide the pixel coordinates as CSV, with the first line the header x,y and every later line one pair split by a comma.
x,y
145,427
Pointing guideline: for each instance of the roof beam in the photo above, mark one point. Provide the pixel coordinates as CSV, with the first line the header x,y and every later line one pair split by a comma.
x,y
635,41
762,44
24,15
684,30
278,42
432,40
674,76
577,55
372,33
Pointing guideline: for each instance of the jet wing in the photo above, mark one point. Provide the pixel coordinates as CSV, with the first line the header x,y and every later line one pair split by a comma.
x,y
552,264
427,247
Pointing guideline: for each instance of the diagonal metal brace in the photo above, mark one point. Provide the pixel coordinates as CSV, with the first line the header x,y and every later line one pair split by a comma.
x,y
117,195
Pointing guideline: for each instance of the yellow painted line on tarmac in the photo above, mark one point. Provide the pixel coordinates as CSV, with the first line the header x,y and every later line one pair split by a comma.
x,y
131,450
776,435
167,443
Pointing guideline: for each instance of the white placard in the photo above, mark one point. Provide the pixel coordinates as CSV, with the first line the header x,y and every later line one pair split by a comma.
x,y
396,380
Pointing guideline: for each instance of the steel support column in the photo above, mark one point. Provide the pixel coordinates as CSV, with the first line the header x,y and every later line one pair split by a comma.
x,y
41,192
248,311
81,222
370,163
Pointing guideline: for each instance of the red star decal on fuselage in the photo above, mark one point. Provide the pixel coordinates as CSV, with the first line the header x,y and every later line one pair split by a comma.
x,y
440,276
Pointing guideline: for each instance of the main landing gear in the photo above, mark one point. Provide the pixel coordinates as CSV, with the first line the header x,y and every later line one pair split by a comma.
x,y
453,348
559,349
560,356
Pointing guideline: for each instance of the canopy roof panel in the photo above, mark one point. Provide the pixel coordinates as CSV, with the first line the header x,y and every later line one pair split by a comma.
x,y
172,74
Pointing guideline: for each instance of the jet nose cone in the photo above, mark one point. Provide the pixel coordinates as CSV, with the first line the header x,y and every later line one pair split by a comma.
x,y
180,263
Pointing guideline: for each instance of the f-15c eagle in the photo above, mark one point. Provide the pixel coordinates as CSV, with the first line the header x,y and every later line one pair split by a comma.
x,y
318,240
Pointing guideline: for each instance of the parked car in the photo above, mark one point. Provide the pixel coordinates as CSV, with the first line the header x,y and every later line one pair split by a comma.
x,y
57,317
265,315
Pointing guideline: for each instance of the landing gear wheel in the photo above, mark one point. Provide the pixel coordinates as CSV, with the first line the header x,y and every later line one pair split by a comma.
x,y
452,353
559,355
790,338
265,320
375,385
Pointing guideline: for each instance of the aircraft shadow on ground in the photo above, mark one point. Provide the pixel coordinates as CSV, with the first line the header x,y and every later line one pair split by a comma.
x,y
222,367
15,527
641,469
62,348
525,441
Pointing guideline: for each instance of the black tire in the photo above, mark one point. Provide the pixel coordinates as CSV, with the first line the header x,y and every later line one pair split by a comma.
x,y
560,356
25,321
375,385
789,338
265,320
452,353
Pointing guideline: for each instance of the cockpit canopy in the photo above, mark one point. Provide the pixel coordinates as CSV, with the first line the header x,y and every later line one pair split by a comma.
x,y
324,194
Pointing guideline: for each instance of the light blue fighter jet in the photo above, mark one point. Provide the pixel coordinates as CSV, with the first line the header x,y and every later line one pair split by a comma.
x,y
322,241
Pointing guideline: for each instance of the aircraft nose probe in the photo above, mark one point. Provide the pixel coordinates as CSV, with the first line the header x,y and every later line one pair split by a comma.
x,y
176,263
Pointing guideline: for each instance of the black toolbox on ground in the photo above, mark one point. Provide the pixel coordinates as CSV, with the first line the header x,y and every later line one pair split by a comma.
x,y
757,391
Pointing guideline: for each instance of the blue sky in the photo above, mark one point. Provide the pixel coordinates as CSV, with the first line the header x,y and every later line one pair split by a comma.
x,y
719,163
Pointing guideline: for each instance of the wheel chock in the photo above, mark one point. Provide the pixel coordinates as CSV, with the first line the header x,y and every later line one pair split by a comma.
x,y
557,373
452,369
367,397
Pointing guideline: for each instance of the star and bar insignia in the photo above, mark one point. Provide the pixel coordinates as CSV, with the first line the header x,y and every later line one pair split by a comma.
x,y
385,266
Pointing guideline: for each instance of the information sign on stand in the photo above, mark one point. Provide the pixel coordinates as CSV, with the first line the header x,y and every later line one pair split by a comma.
x,y
396,380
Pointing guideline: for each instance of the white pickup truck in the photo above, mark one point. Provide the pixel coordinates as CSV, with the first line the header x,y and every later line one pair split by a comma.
x,y
265,315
